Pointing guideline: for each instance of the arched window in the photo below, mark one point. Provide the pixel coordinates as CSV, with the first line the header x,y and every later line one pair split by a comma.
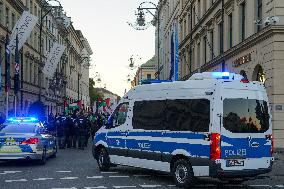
x,y
258,74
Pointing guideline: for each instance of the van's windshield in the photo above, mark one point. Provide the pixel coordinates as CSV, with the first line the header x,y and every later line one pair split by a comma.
x,y
246,116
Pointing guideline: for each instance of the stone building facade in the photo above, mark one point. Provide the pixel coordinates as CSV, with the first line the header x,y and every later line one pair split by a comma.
x,y
62,86
241,36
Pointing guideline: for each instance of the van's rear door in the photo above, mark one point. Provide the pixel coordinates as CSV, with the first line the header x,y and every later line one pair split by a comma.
x,y
245,134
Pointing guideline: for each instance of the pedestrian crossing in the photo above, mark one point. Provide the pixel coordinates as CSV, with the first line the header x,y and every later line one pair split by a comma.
x,y
108,177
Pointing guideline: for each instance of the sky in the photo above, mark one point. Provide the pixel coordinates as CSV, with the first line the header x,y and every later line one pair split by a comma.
x,y
113,41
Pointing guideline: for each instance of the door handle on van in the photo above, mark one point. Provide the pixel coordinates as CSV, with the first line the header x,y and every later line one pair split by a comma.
x,y
207,137
255,144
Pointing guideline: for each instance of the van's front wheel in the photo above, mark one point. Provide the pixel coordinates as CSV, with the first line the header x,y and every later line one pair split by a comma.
x,y
182,173
103,160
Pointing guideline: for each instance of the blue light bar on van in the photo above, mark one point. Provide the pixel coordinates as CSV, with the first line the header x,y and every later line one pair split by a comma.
x,y
221,75
152,81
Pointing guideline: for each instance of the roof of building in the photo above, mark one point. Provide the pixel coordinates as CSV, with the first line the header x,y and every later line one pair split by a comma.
x,y
105,91
150,63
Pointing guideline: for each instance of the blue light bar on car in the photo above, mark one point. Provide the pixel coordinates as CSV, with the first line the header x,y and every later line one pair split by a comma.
x,y
22,119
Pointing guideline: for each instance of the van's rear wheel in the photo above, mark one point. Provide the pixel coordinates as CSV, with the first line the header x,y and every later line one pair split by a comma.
x,y
103,160
183,173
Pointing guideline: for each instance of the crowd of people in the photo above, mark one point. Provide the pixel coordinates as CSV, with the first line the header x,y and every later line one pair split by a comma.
x,y
74,130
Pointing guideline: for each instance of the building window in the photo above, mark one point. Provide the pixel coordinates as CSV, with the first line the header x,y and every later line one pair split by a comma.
x,y
199,10
7,17
243,21
259,13
35,10
31,71
149,76
13,20
230,20
184,28
198,56
31,6
221,46
1,12
193,16
212,43
27,70
205,48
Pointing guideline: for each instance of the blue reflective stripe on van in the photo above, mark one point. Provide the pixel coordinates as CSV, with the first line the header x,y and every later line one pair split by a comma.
x,y
244,148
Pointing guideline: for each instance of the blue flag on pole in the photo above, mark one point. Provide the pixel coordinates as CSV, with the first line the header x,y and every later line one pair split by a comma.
x,y
17,68
0,73
176,50
172,70
7,65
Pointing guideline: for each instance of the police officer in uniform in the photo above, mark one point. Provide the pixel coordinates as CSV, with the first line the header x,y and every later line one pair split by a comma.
x,y
81,131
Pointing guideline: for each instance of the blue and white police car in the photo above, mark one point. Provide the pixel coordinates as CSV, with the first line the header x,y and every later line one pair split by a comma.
x,y
26,138
212,125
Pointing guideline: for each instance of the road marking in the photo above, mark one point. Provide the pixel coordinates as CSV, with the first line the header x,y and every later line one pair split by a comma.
x,y
109,172
261,186
141,175
95,177
20,180
124,186
42,179
279,186
69,178
118,176
150,186
63,171
10,172
97,187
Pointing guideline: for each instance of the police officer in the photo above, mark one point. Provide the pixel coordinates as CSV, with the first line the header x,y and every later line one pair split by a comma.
x,y
88,128
59,132
74,130
81,131
66,130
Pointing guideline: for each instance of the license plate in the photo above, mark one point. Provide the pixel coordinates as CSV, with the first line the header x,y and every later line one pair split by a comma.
x,y
235,163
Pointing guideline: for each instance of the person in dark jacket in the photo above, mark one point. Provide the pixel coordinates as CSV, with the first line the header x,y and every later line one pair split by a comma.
x,y
60,132
74,130
81,131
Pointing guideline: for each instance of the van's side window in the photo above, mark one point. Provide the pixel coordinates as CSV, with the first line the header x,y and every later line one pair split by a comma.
x,y
188,115
149,115
174,115
119,115
246,116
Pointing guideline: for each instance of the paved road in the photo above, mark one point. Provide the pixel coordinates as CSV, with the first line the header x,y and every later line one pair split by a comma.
x,y
76,169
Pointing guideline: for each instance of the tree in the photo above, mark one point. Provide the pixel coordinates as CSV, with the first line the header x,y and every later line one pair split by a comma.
x,y
94,94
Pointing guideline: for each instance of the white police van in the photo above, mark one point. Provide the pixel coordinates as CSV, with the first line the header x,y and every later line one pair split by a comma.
x,y
213,125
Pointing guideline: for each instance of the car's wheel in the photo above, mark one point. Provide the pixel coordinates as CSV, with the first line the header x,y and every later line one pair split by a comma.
x,y
103,160
55,153
42,161
183,173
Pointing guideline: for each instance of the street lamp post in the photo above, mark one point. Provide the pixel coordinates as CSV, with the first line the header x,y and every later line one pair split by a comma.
x,y
141,22
42,17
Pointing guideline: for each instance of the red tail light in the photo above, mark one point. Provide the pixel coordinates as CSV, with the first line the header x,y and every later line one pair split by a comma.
x,y
30,141
215,150
245,81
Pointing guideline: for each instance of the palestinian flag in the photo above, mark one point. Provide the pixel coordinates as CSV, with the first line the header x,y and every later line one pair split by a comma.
x,y
101,103
75,105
